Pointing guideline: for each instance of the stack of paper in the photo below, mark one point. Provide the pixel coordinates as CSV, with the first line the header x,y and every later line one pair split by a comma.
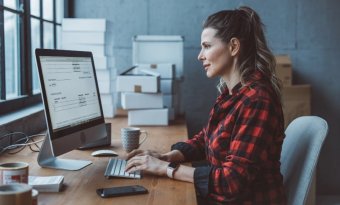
x,y
46,183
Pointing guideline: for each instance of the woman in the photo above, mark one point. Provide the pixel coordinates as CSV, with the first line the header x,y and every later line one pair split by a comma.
x,y
243,138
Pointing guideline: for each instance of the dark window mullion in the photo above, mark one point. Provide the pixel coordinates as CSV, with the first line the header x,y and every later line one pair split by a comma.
x,y
27,66
41,25
22,66
55,24
2,56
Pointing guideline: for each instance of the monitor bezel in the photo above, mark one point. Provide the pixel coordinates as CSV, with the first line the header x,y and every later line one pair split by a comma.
x,y
61,132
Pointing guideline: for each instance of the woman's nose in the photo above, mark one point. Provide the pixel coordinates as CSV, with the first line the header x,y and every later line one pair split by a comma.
x,y
200,56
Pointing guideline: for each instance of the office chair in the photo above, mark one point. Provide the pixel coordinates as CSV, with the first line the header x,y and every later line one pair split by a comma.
x,y
300,152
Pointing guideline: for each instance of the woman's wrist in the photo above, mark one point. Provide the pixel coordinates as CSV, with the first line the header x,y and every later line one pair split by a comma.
x,y
163,169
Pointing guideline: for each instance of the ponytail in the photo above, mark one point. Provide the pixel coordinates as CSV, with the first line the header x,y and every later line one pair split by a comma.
x,y
264,59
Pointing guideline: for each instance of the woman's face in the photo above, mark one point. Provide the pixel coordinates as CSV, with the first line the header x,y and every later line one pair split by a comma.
x,y
215,54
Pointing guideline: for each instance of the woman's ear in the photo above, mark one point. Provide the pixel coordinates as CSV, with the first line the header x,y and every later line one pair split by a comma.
x,y
234,46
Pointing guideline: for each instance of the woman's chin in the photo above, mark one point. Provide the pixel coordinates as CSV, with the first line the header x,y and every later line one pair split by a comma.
x,y
210,75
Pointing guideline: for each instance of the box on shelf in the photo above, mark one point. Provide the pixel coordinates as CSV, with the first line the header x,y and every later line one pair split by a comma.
x,y
166,70
141,100
296,102
284,69
151,49
127,82
148,117
167,86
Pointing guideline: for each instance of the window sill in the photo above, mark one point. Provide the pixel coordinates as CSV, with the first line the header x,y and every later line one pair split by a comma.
x,y
30,120
20,114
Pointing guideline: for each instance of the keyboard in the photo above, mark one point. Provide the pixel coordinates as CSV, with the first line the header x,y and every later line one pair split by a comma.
x,y
116,168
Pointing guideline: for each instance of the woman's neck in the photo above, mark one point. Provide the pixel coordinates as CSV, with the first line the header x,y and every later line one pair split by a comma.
x,y
232,78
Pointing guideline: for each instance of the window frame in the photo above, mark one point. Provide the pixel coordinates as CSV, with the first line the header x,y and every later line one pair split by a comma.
x,y
26,96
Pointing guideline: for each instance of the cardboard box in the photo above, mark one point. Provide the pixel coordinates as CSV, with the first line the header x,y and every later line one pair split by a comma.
x,y
106,75
155,49
109,104
106,87
108,98
85,37
167,86
165,70
86,24
148,117
97,50
127,82
296,102
141,100
284,69
104,62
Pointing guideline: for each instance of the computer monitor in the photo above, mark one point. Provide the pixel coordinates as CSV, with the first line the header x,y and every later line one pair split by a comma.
x,y
73,110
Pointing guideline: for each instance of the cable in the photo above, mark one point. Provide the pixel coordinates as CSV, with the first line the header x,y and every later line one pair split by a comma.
x,y
21,143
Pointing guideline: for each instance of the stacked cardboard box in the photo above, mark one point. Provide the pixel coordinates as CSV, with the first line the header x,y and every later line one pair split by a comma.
x,y
167,73
93,35
140,95
162,54
296,98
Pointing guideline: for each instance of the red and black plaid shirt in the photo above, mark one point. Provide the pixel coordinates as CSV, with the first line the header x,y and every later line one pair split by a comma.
x,y
242,143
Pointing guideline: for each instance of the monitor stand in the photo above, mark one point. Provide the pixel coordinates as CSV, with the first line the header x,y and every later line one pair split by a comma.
x,y
46,158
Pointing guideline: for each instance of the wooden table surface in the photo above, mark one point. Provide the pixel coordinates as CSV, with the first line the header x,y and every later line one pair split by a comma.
x,y
80,186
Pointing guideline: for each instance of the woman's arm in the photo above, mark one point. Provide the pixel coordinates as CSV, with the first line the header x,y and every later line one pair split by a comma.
x,y
159,167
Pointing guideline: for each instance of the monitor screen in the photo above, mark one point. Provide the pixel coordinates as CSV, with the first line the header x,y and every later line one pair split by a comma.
x,y
70,107
73,110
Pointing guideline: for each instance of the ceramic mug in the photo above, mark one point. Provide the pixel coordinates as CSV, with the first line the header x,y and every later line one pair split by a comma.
x,y
16,194
131,138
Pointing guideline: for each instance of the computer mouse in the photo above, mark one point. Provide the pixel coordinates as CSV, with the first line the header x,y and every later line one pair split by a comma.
x,y
104,153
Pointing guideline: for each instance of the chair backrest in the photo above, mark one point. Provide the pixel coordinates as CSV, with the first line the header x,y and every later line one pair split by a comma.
x,y
300,152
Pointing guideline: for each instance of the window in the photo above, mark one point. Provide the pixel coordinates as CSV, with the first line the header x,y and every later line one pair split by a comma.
x,y
24,26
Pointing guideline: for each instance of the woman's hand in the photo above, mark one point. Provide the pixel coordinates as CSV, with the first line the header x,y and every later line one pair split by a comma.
x,y
138,152
148,164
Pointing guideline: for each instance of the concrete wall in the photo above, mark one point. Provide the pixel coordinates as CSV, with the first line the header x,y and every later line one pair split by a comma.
x,y
308,30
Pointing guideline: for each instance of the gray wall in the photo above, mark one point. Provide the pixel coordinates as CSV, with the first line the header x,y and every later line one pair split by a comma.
x,y
308,30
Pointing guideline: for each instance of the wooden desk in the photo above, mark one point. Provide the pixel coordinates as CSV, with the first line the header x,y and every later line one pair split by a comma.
x,y
80,186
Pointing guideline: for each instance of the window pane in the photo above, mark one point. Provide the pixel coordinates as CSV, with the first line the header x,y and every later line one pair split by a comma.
x,y
48,35
59,37
35,39
13,4
59,10
35,7
12,54
48,9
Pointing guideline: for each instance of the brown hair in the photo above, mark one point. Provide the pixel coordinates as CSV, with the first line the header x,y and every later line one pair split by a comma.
x,y
245,25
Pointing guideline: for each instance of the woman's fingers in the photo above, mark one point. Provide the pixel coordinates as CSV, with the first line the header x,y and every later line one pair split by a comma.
x,y
134,153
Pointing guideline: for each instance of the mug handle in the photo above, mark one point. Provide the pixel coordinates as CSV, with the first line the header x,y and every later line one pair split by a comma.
x,y
146,136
